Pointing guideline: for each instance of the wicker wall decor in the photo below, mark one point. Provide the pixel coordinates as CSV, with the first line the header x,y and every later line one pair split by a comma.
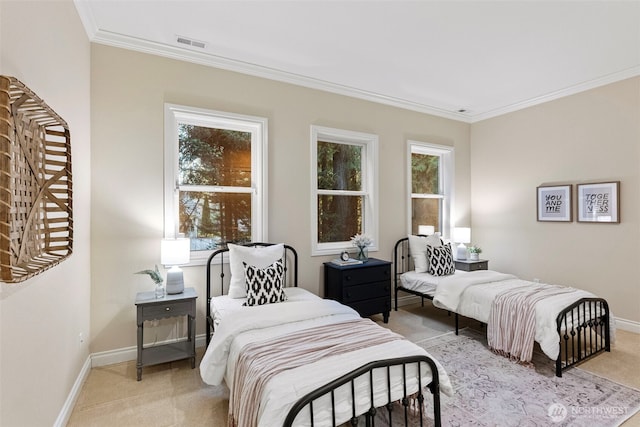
x,y
36,225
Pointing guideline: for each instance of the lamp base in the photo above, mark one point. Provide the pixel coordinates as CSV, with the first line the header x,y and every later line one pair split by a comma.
x,y
175,281
461,253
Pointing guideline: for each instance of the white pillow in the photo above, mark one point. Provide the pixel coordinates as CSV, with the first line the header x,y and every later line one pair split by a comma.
x,y
418,248
259,256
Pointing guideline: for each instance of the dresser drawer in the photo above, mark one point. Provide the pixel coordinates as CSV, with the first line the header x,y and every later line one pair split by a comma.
x,y
472,265
364,287
367,291
358,276
158,311
372,306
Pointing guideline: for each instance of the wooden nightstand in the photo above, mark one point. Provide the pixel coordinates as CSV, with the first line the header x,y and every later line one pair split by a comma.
x,y
364,287
151,308
468,265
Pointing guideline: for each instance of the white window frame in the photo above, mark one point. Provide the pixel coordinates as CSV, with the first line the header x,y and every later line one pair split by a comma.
x,y
369,144
257,126
445,180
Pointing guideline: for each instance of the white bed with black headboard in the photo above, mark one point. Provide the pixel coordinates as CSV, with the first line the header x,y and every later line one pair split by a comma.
x,y
570,325
289,356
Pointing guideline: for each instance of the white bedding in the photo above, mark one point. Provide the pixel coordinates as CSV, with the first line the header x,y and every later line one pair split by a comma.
x,y
472,294
424,282
223,304
239,328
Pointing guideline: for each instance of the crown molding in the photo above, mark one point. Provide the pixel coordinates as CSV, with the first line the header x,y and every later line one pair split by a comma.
x,y
207,59
571,90
108,38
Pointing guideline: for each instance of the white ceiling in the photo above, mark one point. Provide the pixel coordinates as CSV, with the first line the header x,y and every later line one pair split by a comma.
x,y
438,57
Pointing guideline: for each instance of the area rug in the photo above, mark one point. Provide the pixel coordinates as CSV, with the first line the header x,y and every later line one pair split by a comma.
x,y
491,390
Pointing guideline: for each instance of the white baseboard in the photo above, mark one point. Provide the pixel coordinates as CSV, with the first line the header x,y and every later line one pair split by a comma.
x,y
627,325
67,408
102,358
127,354
407,300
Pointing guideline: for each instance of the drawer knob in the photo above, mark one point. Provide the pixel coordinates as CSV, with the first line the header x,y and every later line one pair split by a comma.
x,y
167,309
347,278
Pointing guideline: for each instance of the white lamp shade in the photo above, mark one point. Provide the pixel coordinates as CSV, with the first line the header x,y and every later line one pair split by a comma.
x,y
462,235
426,230
175,251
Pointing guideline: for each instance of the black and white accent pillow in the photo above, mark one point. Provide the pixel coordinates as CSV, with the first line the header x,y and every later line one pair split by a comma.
x,y
440,260
264,285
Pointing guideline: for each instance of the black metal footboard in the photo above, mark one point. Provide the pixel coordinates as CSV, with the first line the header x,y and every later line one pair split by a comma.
x,y
583,330
409,406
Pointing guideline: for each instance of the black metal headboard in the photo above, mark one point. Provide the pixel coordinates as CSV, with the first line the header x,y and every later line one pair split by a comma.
x,y
218,257
403,262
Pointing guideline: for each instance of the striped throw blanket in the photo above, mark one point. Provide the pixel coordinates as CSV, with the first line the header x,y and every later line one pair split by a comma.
x,y
261,361
512,321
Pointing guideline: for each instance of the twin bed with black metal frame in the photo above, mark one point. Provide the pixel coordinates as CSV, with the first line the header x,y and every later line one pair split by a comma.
x,y
583,324
368,374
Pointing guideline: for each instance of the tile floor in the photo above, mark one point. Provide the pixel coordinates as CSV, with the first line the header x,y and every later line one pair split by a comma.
x,y
173,394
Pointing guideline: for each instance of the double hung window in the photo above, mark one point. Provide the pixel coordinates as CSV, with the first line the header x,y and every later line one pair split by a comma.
x,y
344,188
215,177
430,183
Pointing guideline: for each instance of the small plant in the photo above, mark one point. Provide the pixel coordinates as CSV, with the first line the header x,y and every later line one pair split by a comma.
x,y
154,274
361,240
475,249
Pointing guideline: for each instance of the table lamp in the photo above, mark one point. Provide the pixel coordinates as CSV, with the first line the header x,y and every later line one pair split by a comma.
x,y
173,253
426,230
461,235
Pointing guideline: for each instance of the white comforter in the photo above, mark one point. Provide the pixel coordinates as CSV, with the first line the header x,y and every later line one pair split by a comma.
x,y
241,327
471,295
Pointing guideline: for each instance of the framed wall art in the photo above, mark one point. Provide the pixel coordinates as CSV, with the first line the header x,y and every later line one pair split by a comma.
x,y
599,202
554,203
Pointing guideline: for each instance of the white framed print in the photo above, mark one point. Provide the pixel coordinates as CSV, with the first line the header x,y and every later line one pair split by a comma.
x,y
599,202
554,203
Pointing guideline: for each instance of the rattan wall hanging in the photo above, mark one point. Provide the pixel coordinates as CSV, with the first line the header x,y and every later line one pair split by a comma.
x,y
36,225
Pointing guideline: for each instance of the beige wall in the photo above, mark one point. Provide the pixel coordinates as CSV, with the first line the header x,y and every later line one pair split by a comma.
x,y
44,45
128,93
589,137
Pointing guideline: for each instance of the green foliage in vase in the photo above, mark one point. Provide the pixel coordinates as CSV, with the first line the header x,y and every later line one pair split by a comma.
x,y
475,250
154,274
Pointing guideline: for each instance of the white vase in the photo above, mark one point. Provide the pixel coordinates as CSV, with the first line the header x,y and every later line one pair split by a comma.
x,y
474,256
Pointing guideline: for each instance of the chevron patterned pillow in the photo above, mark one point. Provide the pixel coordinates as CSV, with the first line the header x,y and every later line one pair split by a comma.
x,y
264,285
440,260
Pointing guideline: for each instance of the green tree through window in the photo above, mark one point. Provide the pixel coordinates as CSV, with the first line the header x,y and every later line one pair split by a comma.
x,y
344,188
339,168
215,177
220,158
431,183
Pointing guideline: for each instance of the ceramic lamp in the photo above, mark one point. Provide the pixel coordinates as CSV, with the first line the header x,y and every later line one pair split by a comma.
x,y
173,253
461,235
426,230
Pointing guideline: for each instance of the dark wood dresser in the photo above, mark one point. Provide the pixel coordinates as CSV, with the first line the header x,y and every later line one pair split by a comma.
x,y
364,287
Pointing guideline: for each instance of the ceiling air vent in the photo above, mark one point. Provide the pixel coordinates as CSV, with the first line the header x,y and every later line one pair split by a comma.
x,y
191,42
